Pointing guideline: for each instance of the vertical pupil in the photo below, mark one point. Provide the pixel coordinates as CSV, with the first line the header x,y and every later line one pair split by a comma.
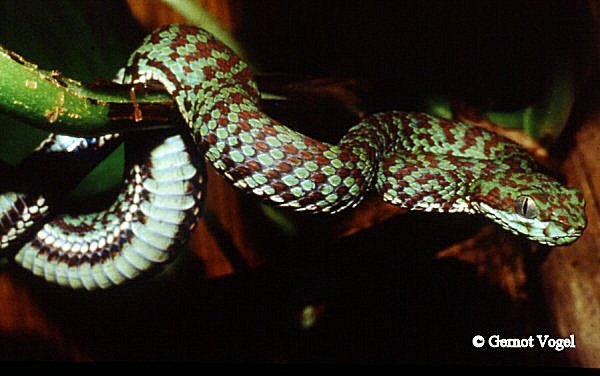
x,y
525,205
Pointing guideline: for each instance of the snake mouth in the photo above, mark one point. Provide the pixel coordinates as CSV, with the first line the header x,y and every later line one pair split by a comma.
x,y
550,237
544,232
565,240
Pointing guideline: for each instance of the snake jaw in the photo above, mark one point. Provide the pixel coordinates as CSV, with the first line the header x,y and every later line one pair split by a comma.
x,y
571,236
544,232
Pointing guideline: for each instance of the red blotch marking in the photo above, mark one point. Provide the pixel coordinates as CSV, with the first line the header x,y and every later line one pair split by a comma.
x,y
425,178
405,171
443,183
491,143
242,171
287,196
247,115
321,160
495,192
432,160
211,139
294,161
341,190
268,129
222,107
426,138
209,73
470,139
317,177
290,149
202,51
343,172
284,167
272,175
385,187
155,38
527,178
244,126
236,98
184,31
178,43
255,166
306,200
191,57
344,156
262,146
316,196
223,64
322,146
228,161
309,142
244,76
407,200
305,155
423,119
447,127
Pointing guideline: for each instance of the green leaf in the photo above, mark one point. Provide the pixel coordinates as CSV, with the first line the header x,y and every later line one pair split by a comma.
x,y
544,120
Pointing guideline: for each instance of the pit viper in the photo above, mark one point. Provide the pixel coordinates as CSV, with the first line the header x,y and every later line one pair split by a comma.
x,y
412,160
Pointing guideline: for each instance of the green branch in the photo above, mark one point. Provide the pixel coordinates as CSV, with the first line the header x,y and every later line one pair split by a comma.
x,y
57,104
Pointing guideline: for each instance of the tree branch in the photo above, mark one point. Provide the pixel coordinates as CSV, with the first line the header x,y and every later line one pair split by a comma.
x,y
58,104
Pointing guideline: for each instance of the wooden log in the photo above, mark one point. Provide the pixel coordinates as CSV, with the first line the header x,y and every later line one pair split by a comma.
x,y
570,276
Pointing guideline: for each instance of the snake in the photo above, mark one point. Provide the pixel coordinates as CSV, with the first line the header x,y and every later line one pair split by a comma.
x,y
410,159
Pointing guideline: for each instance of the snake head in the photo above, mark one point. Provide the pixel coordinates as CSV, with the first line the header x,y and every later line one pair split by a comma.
x,y
531,204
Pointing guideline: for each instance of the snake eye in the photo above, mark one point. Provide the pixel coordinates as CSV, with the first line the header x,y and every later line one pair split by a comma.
x,y
526,207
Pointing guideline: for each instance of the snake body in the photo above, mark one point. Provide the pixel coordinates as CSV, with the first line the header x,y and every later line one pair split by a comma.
x,y
148,221
412,160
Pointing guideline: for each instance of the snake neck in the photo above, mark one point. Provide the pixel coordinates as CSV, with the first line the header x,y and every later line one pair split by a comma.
x,y
218,99
263,157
